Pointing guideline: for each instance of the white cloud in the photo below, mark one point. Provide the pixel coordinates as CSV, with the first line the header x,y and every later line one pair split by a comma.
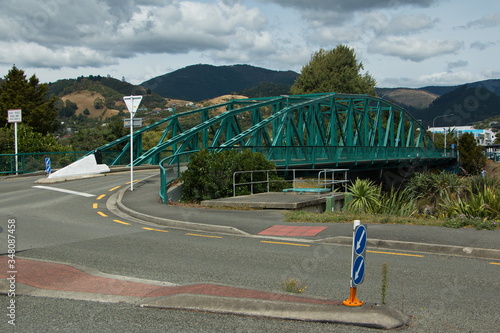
x,y
124,29
402,24
457,64
351,5
481,45
412,48
35,55
57,38
488,21
435,79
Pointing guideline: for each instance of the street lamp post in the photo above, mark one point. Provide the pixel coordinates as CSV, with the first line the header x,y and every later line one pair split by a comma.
x,y
443,116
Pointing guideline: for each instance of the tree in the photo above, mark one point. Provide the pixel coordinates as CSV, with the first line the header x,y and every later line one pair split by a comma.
x,y
471,156
16,92
29,141
98,103
66,109
337,70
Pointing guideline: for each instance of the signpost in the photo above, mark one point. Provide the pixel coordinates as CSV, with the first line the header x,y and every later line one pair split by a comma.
x,y
136,122
15,116
357,262
132,103
48,168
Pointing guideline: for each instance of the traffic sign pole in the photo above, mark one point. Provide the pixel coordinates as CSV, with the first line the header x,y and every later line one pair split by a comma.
x,y
357,263
16,151
132,103
15,116
131,153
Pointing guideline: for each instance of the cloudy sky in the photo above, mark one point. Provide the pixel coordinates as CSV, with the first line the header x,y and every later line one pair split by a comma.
x,y
410,43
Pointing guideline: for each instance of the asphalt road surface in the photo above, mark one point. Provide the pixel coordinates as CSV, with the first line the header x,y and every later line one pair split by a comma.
x,y
441,293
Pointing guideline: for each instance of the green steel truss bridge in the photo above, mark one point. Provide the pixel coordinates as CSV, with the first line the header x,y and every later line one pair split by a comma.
x,y
301,131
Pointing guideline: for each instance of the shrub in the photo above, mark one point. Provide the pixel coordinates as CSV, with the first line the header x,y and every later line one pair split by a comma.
x,y
366,196
210,174
432,186
399,203
484,204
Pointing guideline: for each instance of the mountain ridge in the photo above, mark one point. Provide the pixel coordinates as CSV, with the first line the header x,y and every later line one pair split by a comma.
x,y
202,82
199,82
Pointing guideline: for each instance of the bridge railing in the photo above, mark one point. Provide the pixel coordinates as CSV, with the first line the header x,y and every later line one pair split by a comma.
x,y
32,162
284,156
170,170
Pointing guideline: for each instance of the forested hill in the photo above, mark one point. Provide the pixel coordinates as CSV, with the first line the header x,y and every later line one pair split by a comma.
x,y
110,88
465,104
199,82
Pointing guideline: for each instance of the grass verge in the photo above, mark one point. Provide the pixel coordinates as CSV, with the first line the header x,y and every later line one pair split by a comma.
x,y
346,217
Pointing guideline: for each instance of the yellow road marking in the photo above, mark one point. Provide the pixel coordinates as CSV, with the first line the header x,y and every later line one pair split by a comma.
x,y
151,229
135,180
282,243
101,196
118,221
495,263
114,188
102,214
95,205
398,254
208,236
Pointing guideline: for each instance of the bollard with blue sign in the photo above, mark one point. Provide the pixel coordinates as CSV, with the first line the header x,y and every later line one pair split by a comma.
x,y
47,165
357,262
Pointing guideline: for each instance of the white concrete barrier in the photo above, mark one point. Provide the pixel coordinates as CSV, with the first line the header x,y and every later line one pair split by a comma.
x,y
82,167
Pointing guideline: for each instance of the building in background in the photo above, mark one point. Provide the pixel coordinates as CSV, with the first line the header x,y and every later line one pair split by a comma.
x,y
484,137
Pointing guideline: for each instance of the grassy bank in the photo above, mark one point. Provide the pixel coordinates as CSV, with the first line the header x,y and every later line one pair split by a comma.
x,y
347,217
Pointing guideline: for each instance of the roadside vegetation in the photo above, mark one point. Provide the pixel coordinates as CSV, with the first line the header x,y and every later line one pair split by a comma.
x,y
441,199
210,175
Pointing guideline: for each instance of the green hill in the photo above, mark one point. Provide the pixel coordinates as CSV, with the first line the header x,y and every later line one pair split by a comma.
x,y
466,104
199,82
109,90
471,102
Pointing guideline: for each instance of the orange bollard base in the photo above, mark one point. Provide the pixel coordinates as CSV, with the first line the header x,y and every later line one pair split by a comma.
x,y
353,299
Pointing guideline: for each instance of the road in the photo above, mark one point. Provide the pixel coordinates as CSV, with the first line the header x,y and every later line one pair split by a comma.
x,y
441,293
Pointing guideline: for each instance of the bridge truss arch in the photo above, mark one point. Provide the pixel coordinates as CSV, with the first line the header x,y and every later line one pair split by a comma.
x,y
298,130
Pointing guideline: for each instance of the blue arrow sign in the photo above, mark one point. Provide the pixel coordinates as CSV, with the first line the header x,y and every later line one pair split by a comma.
x,y
358,270
47,165
360,240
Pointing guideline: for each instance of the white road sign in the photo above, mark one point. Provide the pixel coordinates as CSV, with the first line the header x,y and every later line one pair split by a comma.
x,y
14,116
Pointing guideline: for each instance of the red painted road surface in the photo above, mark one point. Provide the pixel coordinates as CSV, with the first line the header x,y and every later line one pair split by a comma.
x,y
61,277
287,230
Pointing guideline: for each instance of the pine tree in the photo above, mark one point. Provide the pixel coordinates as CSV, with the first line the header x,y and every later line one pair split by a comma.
x,y
472,158
17,92
337,71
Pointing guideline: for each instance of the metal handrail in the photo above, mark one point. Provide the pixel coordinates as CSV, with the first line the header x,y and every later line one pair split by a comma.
x,y
294,171
163,193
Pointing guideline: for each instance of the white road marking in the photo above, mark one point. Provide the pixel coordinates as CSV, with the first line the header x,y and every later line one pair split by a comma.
x,y
82,194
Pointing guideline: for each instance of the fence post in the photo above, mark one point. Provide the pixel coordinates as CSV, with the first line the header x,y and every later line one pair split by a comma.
x,y
268,187
251,182
234,184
